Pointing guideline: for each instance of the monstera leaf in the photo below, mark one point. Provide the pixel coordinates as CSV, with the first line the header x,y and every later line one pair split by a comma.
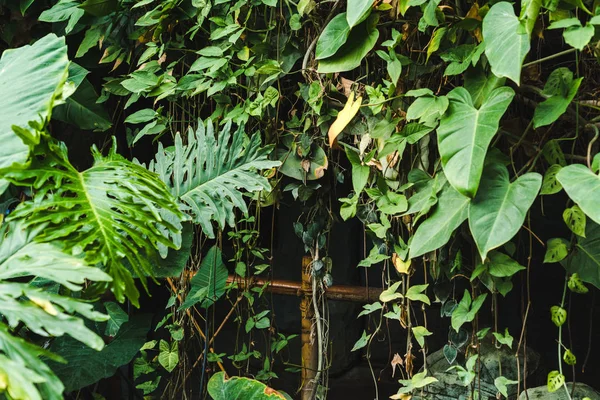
x,y
31,78
98,211
465,133
209,173
497,212
22,371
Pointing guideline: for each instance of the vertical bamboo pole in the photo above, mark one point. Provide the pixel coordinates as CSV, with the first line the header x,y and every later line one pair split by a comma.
x,y
309,355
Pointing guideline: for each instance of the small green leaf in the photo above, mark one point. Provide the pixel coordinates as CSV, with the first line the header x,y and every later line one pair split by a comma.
x,y
450,353
420,332
362,342
370,308
506,339
169,355
390,293
576,284
583,187
333,37
575,220
556,250
569,357
555,381
502,266
558,315
501,382
550,184
415,293
466,310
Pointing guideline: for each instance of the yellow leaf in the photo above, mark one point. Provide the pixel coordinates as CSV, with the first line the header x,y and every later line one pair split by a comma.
x,y
344,117
45,305
403,267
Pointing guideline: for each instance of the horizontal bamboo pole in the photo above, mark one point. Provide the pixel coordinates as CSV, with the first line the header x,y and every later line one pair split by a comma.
x,y
357,294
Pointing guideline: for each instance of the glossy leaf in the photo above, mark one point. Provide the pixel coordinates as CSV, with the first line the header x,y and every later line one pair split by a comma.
x,y
503,35
583,187
466,310
556,250
553,107
333,37
498,211
169,355
576,285
585,260
360,42
555,381
435,231
465,133
32,78
550,184
576,220
558,315
82,110
357,10
222,388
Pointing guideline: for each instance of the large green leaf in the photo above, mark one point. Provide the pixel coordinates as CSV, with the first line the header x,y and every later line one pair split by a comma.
x,y
583,187
361,40
82,110
42,312
357,10
209,173
435,231
506,41
97,211
333,37
236,388
465,133
585,260
31,78
499,209
85,366
208,284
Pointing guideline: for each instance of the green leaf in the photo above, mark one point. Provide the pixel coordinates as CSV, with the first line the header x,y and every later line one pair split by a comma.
x,y
99,8
505,339
169,355
32,79
360,41
362,342
575,219
585,259
87,211
208,284
117,317
64,10
499,209
558,315
553,153
465,133
503,35
502,266
333,37
569,357
82,110
370,308
530,10
555,381
360,172
466,310
86,366
578,36
501,383
450,353
357,10
550,109
576,284
427,109
435,231
222,388
141,116
390,293
557,249
583,187
415,293
420,333
208,176
550,184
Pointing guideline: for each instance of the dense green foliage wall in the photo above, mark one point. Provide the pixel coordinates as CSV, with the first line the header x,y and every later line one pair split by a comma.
x,y
450,120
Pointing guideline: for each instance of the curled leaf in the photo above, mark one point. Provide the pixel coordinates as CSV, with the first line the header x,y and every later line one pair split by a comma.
x,y
344,117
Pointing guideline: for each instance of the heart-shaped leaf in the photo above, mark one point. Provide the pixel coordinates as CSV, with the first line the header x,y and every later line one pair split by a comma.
x,y
555,381
506,42
499,209
357,11
558,315
435,231
583,187
333,37
465,133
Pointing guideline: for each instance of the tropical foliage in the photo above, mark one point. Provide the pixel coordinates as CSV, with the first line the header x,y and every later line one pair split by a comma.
x,y
440,126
